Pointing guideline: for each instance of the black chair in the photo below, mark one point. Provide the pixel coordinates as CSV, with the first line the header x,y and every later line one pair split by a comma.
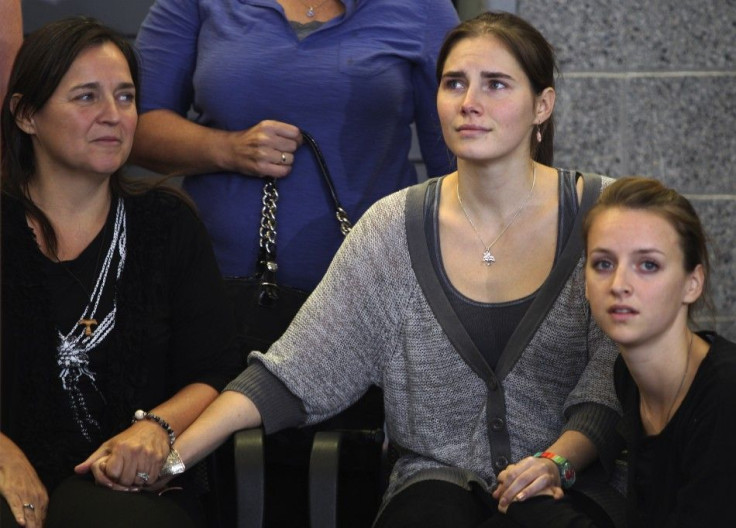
x,y
287,459
347,477
236,482
249,477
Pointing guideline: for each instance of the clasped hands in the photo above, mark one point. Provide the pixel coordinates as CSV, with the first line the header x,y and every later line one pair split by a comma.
x,y
131,460
527,478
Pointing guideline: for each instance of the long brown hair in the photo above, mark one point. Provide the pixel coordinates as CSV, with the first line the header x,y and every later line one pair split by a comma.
x,y
42,61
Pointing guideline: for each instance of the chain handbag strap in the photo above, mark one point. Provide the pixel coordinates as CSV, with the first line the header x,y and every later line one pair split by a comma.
x,y
267,265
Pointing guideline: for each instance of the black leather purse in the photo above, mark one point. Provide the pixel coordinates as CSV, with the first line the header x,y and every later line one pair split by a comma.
x,y
263,308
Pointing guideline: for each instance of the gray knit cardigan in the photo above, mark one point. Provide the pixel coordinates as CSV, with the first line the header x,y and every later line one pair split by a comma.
x,y
368,322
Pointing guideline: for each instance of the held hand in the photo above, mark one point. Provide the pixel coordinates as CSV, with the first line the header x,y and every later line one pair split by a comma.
x,y
98,468
528,478
130,459
161,485
21,487
267,149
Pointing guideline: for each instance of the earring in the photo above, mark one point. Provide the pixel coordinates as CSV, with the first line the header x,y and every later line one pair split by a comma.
x,y
539,134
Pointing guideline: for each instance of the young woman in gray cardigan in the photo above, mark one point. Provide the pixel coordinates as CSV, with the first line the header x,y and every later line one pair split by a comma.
x,y
463,298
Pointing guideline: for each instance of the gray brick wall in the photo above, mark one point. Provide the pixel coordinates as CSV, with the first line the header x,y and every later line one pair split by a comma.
x,y
649,88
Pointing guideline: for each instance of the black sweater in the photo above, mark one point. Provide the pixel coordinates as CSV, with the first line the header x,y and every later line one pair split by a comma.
x,y
172,328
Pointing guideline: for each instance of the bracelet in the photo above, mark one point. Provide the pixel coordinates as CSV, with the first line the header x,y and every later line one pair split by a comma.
x,y
143,415
173,465
567,471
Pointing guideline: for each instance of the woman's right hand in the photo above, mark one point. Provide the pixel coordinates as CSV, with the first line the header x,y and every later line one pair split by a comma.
x,y
20,485
267,149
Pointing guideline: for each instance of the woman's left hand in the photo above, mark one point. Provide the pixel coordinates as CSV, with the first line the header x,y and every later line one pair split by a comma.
x,y
527,478
131,459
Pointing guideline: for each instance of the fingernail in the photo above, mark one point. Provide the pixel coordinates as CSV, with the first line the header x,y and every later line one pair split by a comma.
x,y
520,497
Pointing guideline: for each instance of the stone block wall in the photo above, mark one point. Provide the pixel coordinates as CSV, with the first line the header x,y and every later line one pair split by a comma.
x,y
649,88
646,88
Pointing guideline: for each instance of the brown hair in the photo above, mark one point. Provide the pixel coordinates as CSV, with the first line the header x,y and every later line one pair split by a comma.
x,y
646,194
530,49
42,61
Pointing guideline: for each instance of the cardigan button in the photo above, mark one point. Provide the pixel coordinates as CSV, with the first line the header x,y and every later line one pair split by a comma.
x,y
501,463
497,424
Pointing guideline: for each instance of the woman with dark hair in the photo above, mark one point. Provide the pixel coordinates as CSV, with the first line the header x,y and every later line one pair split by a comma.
x,y
647,271
463,298
115,334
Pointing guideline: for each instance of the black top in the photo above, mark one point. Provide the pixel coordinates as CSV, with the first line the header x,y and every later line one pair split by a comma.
x,y
685,475
172,328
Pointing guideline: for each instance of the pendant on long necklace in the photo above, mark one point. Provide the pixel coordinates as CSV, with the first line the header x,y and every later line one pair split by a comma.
x,y
88,330
310,11
488,259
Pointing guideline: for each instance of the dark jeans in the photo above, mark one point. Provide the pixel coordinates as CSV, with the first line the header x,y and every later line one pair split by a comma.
x,y
438,504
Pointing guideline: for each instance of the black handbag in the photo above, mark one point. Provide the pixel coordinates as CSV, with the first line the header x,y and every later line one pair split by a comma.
x,y
263,308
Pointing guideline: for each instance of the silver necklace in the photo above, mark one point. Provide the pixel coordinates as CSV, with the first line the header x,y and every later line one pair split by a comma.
x,y
312,9
74,347
488,257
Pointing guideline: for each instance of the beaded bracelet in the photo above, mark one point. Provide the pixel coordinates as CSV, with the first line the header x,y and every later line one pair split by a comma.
x,y
143,415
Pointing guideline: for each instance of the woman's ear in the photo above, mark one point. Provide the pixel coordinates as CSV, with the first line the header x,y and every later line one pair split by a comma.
x,y
694,283
24,121
545,105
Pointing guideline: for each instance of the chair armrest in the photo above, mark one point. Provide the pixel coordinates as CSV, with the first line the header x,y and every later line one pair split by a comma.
x,y
324,471
324,467
249,477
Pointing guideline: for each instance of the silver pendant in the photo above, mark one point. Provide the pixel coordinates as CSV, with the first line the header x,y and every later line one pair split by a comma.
x,y
310,12
488,259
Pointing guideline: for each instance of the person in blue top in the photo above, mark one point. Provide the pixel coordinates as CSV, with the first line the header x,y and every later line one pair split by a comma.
x,y
353,73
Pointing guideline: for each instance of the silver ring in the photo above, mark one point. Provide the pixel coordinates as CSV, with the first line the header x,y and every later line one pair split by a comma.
x,y
283,158
143,476
29,505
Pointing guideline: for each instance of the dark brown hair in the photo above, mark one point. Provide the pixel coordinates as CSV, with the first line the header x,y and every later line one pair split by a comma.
x,y
42,61
530,49
646,194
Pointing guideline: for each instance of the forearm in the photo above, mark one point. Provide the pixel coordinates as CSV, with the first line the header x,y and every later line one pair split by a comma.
x,y
13,462
230,412
171,144
534,476
8,450
577,448
143,447
185,406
